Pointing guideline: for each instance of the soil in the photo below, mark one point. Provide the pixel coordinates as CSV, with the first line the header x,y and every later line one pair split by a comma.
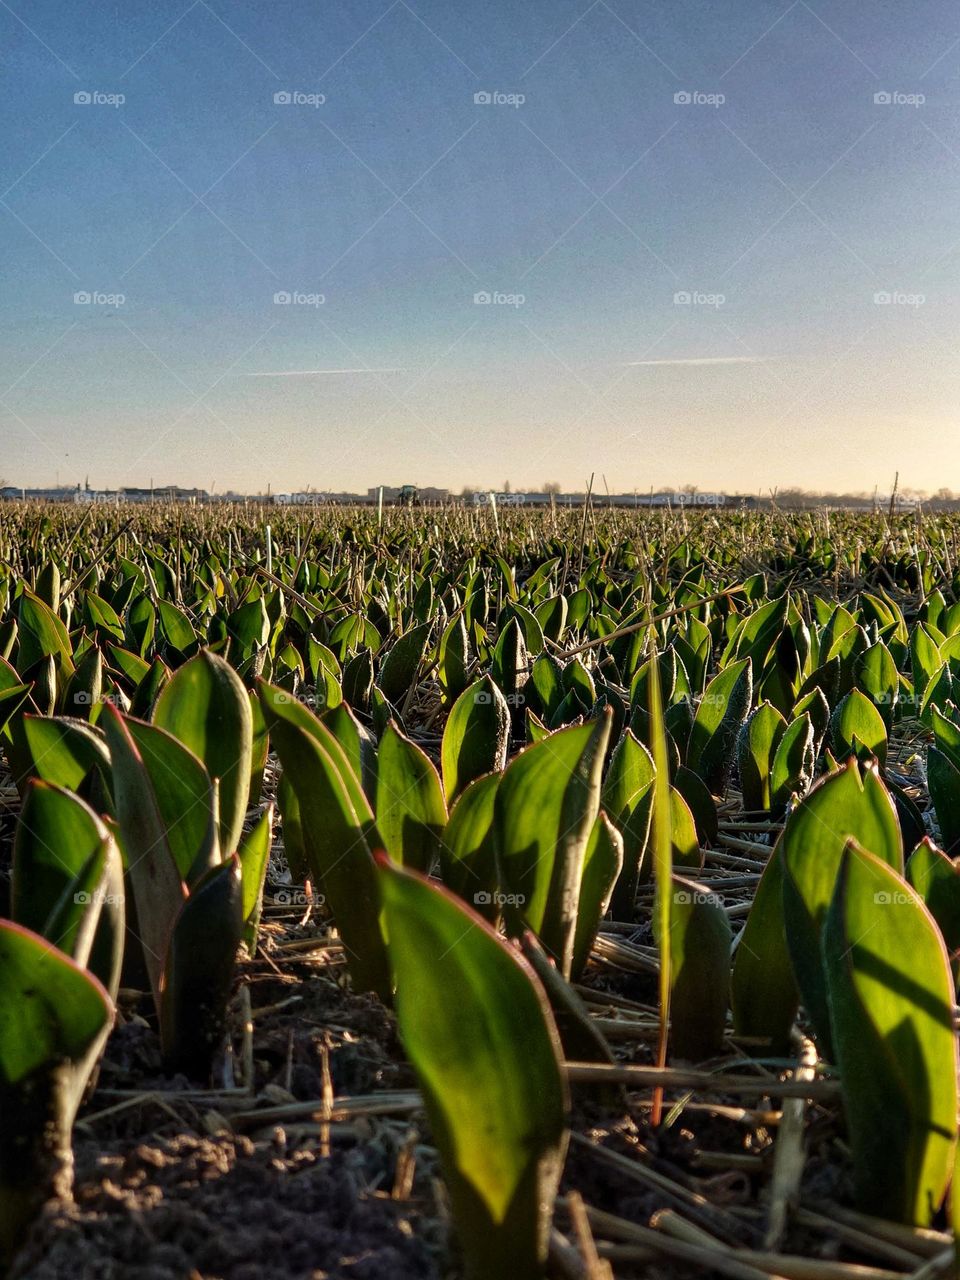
x,y
240,1179
178,1181
165,1189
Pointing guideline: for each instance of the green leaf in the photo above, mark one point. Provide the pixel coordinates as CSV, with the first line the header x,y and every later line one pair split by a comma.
x,y
699,971
763,990
358,744
939,691
685,841
720,713
601,867
547,680
857,728
65,752
54,1021
205,706
338,832
186,798
937,880
627,797
475,737
946,732
877,675
294,848
68,880
50,1009
924,658
468,858
546,805
943,780
41,635
793,763
454,657
510,662
410,809
248,627
890,996
357,680
254,857
158,889
177,627
477,1028
11,701
198,970
815,705
756,745
552,616
839,808
399,668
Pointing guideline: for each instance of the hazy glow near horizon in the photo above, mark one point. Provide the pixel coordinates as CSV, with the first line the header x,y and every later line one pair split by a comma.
x,y
382,242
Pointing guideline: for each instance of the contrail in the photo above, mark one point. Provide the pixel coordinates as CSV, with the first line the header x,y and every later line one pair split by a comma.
x,y
316,373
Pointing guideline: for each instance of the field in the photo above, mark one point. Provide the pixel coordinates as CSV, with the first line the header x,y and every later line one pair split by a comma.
x,y
461,893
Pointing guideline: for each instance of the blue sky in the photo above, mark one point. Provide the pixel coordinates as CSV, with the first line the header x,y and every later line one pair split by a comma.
x,y
720,243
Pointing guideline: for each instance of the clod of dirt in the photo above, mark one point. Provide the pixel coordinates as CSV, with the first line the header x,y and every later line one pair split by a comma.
x,y
224,1208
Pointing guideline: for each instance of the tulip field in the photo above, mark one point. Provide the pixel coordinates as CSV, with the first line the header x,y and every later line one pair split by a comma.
x,y
478,895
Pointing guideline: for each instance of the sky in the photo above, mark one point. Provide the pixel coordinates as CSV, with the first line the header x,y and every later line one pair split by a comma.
x,y
446,243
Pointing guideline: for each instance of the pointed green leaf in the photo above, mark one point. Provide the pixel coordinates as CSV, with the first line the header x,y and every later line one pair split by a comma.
x,y
890,996
477,1028
410,809
205,706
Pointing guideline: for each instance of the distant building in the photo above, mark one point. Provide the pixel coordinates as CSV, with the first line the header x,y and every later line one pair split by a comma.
x,y
392,493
